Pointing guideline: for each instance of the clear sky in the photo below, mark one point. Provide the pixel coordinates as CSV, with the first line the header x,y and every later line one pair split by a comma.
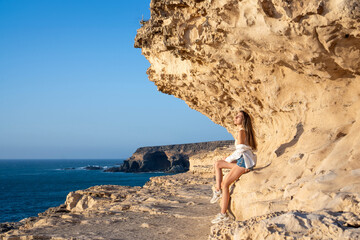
x,y
73,86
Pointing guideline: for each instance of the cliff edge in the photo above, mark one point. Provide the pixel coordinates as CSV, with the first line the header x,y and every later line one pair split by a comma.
x,y
294,66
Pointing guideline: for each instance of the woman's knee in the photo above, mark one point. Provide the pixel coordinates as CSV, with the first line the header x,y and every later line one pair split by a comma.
x,y
217,164
225,184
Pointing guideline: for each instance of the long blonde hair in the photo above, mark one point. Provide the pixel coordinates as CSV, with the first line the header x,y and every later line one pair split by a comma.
x,y
249,131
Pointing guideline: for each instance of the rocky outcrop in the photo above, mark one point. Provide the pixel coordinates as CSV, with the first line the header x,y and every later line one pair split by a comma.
x,y
169,158
294,66
93,167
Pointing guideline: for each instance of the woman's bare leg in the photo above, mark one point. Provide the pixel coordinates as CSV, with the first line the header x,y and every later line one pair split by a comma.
x,y
218,166
233,175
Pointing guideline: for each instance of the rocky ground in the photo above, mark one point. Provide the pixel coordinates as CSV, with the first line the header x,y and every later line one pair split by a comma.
x,y
168,207
291,225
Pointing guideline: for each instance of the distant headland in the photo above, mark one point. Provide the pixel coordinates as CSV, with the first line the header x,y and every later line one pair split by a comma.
x,y
168,158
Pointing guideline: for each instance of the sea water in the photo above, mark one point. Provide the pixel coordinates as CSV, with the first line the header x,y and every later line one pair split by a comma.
x,y
28,187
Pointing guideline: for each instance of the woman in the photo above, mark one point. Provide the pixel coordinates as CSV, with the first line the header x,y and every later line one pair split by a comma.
x,y
242,160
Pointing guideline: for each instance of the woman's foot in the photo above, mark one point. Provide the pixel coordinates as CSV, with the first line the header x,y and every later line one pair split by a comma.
x,y
216,196
221,217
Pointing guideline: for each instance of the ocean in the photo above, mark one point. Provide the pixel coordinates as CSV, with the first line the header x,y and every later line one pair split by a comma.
x,y
28,187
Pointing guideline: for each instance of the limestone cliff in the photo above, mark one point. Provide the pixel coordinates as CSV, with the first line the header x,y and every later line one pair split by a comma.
x,y
294,66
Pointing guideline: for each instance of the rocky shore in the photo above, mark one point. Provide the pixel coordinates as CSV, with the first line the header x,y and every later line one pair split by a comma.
x,y
162,209
167,207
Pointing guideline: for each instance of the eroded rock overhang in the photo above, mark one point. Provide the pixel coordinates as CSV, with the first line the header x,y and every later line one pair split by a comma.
x,y
293,65
278,60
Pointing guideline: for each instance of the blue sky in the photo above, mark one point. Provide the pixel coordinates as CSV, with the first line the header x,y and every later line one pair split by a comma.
x,y
73,86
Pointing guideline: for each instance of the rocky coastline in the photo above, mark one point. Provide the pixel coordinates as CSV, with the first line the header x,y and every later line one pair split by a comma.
x,y
162,209
122,212
168,207
294,67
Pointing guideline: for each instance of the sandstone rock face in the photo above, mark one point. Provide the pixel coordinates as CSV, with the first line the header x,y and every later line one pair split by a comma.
x,y
294,66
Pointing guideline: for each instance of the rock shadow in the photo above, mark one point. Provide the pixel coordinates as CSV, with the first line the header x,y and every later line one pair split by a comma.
x,y
256,169
299,130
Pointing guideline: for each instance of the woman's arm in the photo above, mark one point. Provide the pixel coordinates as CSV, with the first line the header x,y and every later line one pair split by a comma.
x,y
241,136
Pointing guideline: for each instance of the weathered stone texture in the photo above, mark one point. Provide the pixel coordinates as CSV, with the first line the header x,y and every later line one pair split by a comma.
x,y
294,66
